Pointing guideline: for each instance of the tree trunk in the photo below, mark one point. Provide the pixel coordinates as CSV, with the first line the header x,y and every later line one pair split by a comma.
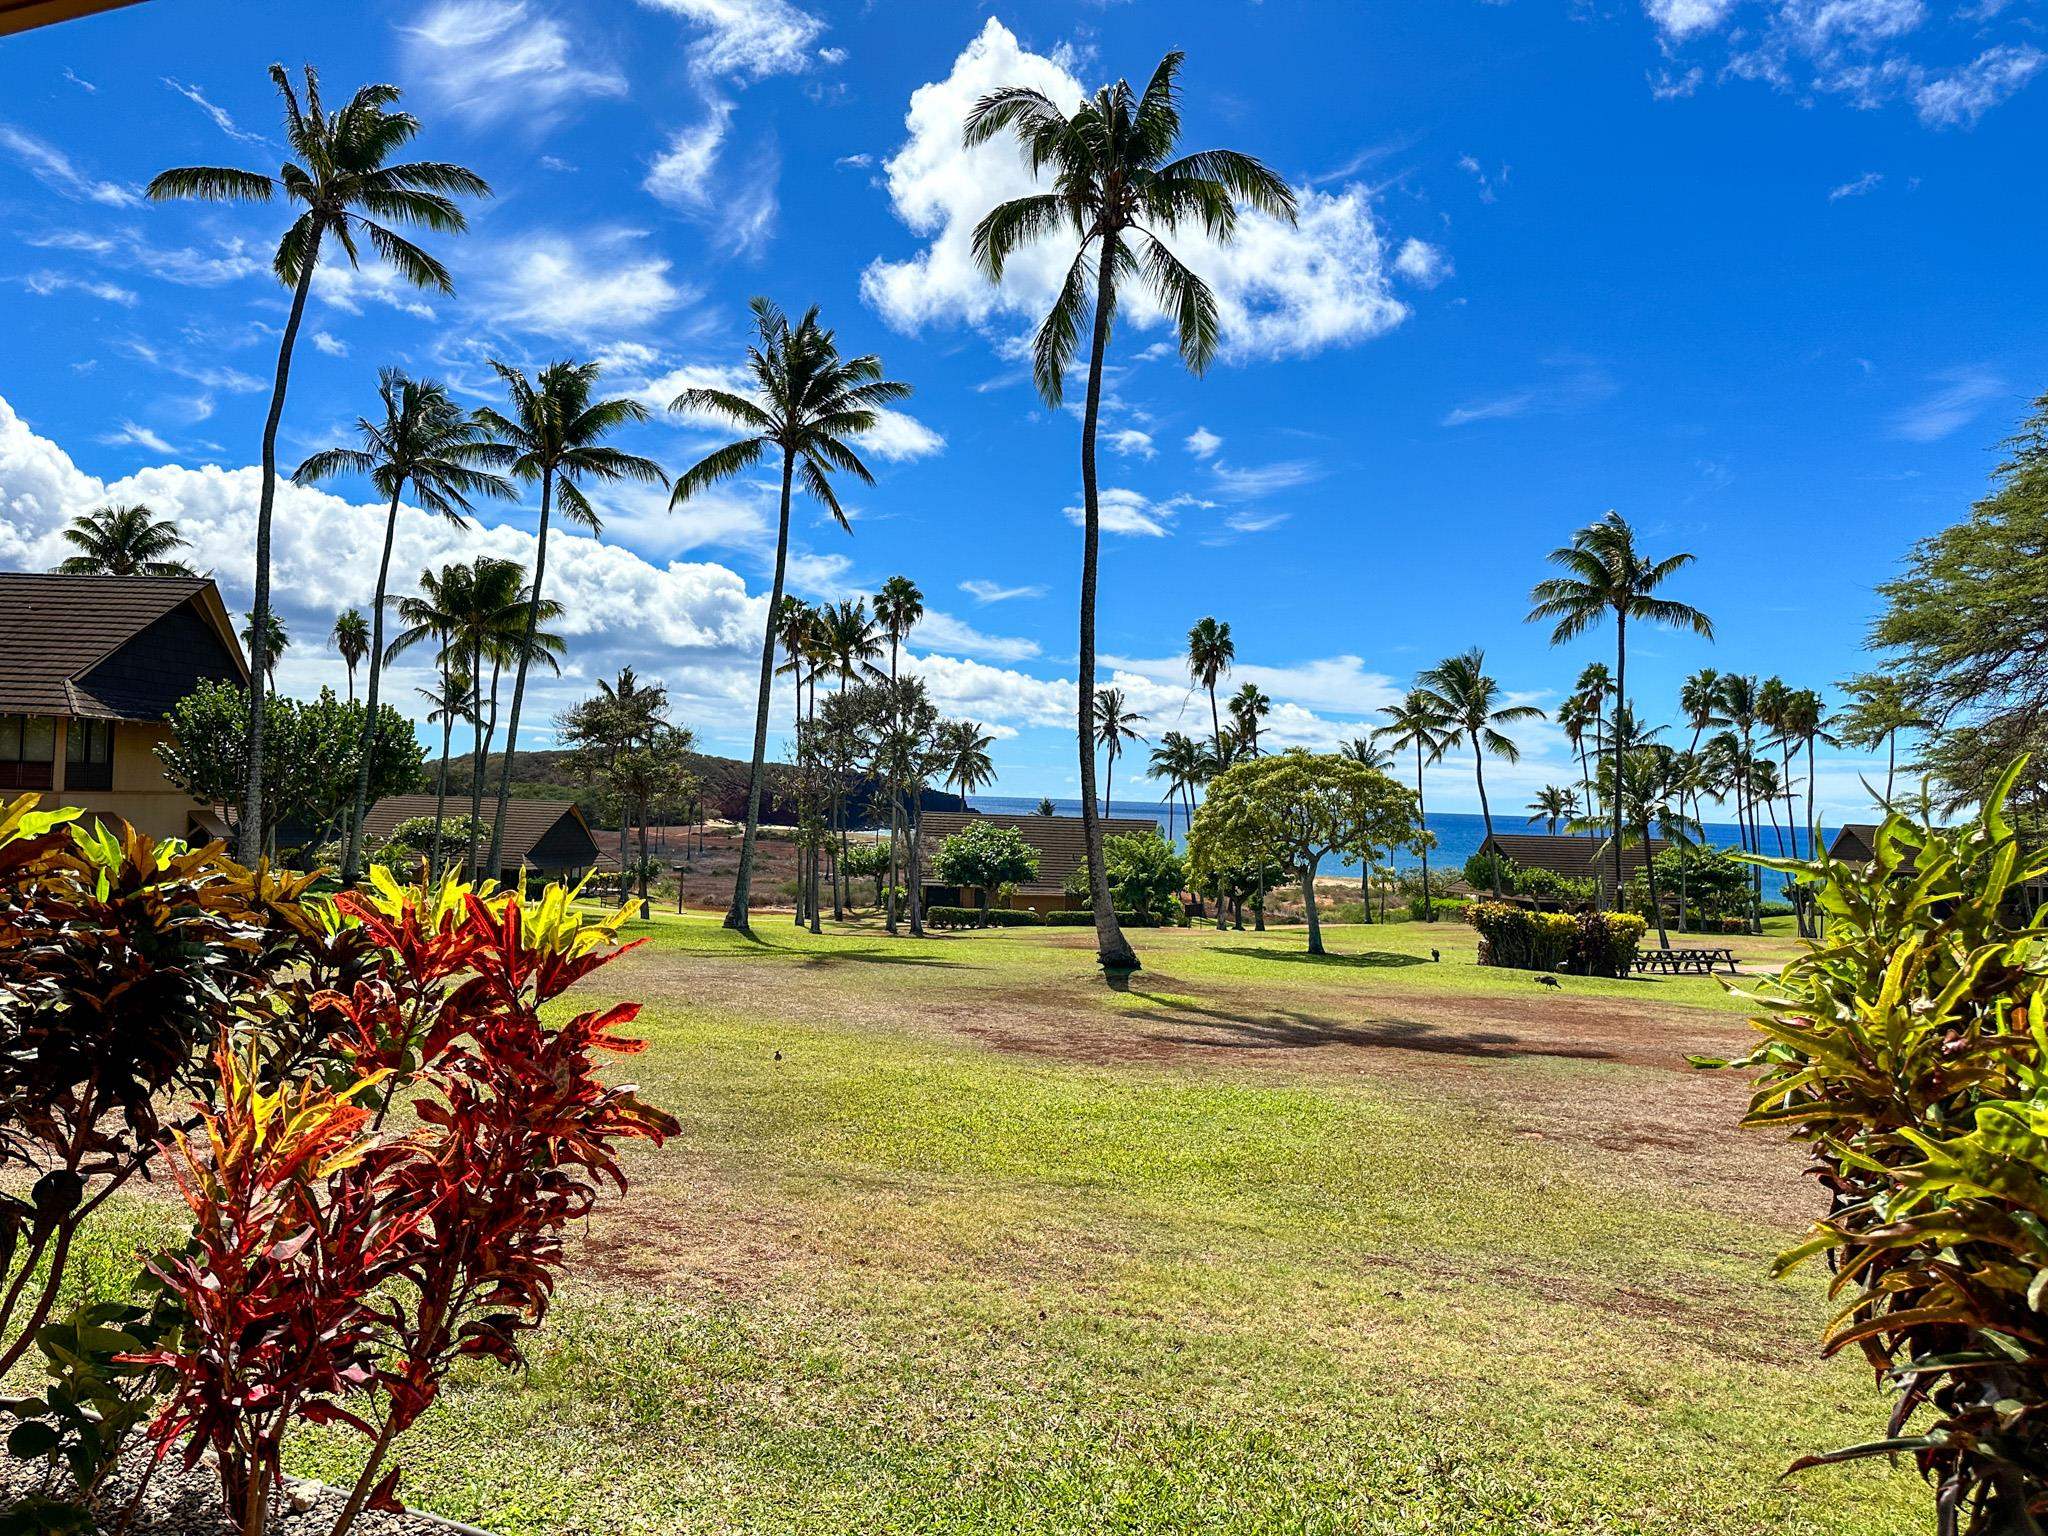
x,y
743,881
1308,897
1112,950
352,844
1656,905
476,779
914,820
1486,811
1620,709
645,908
249,832
1422,816
540,566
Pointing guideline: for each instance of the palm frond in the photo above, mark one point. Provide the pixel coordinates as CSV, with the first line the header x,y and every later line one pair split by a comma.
x,y
1244,177
211,184
737,409
1008,227
820,489
1052,349
332,462
1187,298
575,507
410,262
718,465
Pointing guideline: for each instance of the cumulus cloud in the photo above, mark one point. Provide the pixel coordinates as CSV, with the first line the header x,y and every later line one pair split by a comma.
x,y
55,170
1279,289
1203,443
493,61
1132,443
1423,264
1123,510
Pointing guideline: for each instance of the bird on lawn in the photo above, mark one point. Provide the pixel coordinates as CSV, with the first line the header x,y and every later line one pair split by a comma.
x,y
1436,956
1546,981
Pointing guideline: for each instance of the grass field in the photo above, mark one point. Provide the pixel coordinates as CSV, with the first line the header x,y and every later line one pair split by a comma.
x,y
958,1239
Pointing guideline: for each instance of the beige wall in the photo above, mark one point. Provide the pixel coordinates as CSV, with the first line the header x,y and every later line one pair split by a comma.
x,y
141,796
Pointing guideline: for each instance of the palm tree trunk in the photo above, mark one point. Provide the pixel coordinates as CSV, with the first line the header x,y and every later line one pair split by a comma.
x,y
476,779
441,778
352,848
1112,950
1486,812
1108,782
1620,704
540,566
1656,906
249,834
1422,816
743,881
351,687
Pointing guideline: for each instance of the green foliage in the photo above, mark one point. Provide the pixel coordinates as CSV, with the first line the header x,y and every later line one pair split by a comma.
x,y
986,855
974,917
1087,920
93,1399
311,754
1446,906
413,839
1484,871
1583,943
1146,874
1908,1052
1516,880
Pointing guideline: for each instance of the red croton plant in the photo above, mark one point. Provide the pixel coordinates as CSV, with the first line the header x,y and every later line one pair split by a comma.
x,y
342,1265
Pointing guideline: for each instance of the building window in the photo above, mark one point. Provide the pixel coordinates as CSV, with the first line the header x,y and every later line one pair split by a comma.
x,y
28,747
89,755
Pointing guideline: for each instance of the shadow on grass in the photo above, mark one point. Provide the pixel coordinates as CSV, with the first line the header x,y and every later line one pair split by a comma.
x,y
1212,1027
1373,959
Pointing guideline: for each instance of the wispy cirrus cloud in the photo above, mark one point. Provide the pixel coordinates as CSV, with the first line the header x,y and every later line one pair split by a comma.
x,y
218,115
503,61
1867,183
57,171
995,592
1957,399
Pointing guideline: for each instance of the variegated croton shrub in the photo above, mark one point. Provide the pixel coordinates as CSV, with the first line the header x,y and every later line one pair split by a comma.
x,y
1907,1050
379,1139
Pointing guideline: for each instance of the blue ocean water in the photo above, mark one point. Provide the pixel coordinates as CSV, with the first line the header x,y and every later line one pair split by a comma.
x,y
1458,834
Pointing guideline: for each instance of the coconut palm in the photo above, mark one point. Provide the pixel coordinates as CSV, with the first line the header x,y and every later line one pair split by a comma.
x,y
275,640
1773,711
1178,760
898,607
1363,751
1553,806
809,401
350,192
964,745
491,624
448,701
1651,793
1211,654
420,438
124,541
1248,706
1459,691
1118,189
1607,575
555,439
1419,724
1878,710
1114,725
1738,764
350,638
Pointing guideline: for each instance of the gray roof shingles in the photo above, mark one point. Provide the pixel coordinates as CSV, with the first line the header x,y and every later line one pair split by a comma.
x,y
54,628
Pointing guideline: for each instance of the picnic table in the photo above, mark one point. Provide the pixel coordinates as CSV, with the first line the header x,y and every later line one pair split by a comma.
x,y
1685,962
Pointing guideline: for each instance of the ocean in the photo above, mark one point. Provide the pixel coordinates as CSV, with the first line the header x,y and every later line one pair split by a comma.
x,y
1458,834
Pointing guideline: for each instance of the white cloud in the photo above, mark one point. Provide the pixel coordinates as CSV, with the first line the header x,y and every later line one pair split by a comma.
x,y
1961,96
1203,443
1500,408
332,345
1680,19
1958,400
896,438
899,438
1123,510
219,115
750,38
229,261
1869,181
349,288
947,633
1249,484
995,592
207,376
1423,264
1132,443
55,170
1279,289
598,284
139,436
43,284
681,174
494,61
739,210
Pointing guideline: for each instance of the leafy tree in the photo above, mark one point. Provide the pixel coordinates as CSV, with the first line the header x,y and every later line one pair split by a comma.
x,y
986,856
1419,724
555,439
124,541
1606,574
809,401
349,190
1467,700
422,439
1299,809
1118,189
350,638
1146,874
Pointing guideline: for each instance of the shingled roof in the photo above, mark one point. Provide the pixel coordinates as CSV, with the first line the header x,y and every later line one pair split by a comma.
x,y
55,630
1061,841
20,15
1576,858
1855,842
528,825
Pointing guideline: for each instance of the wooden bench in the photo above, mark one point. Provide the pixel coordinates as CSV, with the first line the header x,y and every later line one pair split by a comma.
x,y
1685,962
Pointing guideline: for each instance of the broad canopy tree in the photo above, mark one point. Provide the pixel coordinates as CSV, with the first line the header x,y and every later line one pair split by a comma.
x,y
986,856
1298,809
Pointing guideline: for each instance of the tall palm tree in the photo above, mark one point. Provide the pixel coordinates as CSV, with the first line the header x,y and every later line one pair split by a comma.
x,y
1773,710
124,541
964,746
1738,706
492,624
435,613
1554,804
349,191
1808,722
809,400
1459,690
898,607
1650,791
1575,717
351,640
1607,575
1879,709
1118,189
1178,760
1114,725
420,438
555,439
1419,724
1211,654
274,642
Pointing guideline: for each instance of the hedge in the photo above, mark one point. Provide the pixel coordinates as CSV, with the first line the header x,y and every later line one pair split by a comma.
x,y
1584,943
1087,919
970,917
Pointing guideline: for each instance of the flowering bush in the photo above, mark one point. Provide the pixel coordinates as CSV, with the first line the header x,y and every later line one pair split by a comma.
x,y
1908,1051
1584,943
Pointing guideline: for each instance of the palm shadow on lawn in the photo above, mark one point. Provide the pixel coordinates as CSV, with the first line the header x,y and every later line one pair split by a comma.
x,y
1292,1029
1372,959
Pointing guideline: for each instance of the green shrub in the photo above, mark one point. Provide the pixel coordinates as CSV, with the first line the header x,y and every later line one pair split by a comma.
x,y
1446,906
970,917
1909,1053
1480,870
1084,919
1584,943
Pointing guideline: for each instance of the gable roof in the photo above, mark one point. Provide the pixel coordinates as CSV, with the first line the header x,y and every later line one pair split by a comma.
x,y
1061,841
55,628
1856,842
20,15
527,823
1576,858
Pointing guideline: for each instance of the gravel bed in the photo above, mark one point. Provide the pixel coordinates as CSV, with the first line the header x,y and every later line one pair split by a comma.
x,y
188,1504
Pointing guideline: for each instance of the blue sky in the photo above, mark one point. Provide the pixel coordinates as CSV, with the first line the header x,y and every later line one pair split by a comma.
x,y
1762,274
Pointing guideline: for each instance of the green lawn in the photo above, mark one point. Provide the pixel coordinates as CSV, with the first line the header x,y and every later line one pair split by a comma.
x,y
897,1277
